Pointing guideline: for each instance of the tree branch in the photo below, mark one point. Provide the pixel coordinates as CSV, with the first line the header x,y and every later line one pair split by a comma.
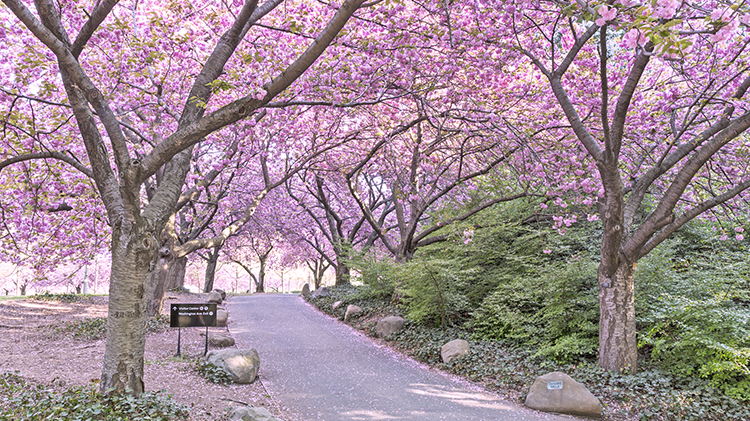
x,y
49,155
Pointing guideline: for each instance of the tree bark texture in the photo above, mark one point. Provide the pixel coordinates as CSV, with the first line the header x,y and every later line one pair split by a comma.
x,y
342,272
133,259
618,347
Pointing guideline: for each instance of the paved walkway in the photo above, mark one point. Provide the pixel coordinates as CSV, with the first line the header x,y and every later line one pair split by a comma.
x,y
324,370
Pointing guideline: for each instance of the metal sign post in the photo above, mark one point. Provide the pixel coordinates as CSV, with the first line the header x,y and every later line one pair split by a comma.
x,y
191,315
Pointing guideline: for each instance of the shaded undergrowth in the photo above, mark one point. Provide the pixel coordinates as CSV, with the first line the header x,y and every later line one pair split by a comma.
x,y
22,400
509,370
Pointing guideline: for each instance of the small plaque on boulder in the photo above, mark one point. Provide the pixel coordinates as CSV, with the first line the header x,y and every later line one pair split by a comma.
x,y
554,385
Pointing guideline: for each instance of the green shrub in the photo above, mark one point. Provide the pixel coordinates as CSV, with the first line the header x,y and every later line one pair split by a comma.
x,y
692,317
431,291
556,312
24,401
376,273
706,338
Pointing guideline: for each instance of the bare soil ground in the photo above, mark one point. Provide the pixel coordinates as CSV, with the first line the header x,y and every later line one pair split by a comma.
x,y
31,346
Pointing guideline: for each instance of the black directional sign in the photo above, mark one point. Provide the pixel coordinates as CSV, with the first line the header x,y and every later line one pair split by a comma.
x,y
192,315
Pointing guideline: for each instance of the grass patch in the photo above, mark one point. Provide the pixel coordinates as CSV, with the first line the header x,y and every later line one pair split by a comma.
x,y
21,400
63,298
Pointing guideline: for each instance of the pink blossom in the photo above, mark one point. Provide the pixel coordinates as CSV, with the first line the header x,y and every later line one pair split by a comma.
x,y
546,251
740,237
633,38
667,8
739,229
607,14
718,14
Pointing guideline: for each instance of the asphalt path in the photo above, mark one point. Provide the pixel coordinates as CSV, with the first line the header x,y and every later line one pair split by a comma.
x,y
322,369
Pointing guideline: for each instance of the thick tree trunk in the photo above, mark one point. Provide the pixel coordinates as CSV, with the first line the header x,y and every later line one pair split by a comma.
x,y
134,253
617,340
342,273
176,275
22,289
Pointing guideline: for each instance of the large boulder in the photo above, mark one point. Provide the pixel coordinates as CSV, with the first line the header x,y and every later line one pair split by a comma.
x,y
351,311
389,325
249,413
454,349
319,293
222,292
306,290
241,364
222,316
337,304
214,297
220,340
557,392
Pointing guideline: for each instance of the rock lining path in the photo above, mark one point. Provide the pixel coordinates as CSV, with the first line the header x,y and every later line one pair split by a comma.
x,y
322,369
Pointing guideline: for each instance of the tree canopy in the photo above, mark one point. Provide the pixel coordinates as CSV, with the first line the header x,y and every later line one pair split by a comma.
x,y
165,131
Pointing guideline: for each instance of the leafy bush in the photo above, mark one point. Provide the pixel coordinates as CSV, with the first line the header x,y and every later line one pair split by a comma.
x,y
708,339
693,319
555,312
24,401
212,373
376,274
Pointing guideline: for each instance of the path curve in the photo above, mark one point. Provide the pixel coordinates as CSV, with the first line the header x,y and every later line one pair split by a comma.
x,y
325,370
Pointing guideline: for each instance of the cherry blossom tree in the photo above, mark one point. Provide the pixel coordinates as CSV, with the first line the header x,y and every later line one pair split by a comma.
x,y
654,95
156,70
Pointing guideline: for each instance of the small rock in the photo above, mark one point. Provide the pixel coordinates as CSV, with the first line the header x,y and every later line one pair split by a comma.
x,y
388,326
558,392
214,297
222,292
171,297
319,293
337,304
220,340
241,364
306,290
454,349
351,310
249,413
221,318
